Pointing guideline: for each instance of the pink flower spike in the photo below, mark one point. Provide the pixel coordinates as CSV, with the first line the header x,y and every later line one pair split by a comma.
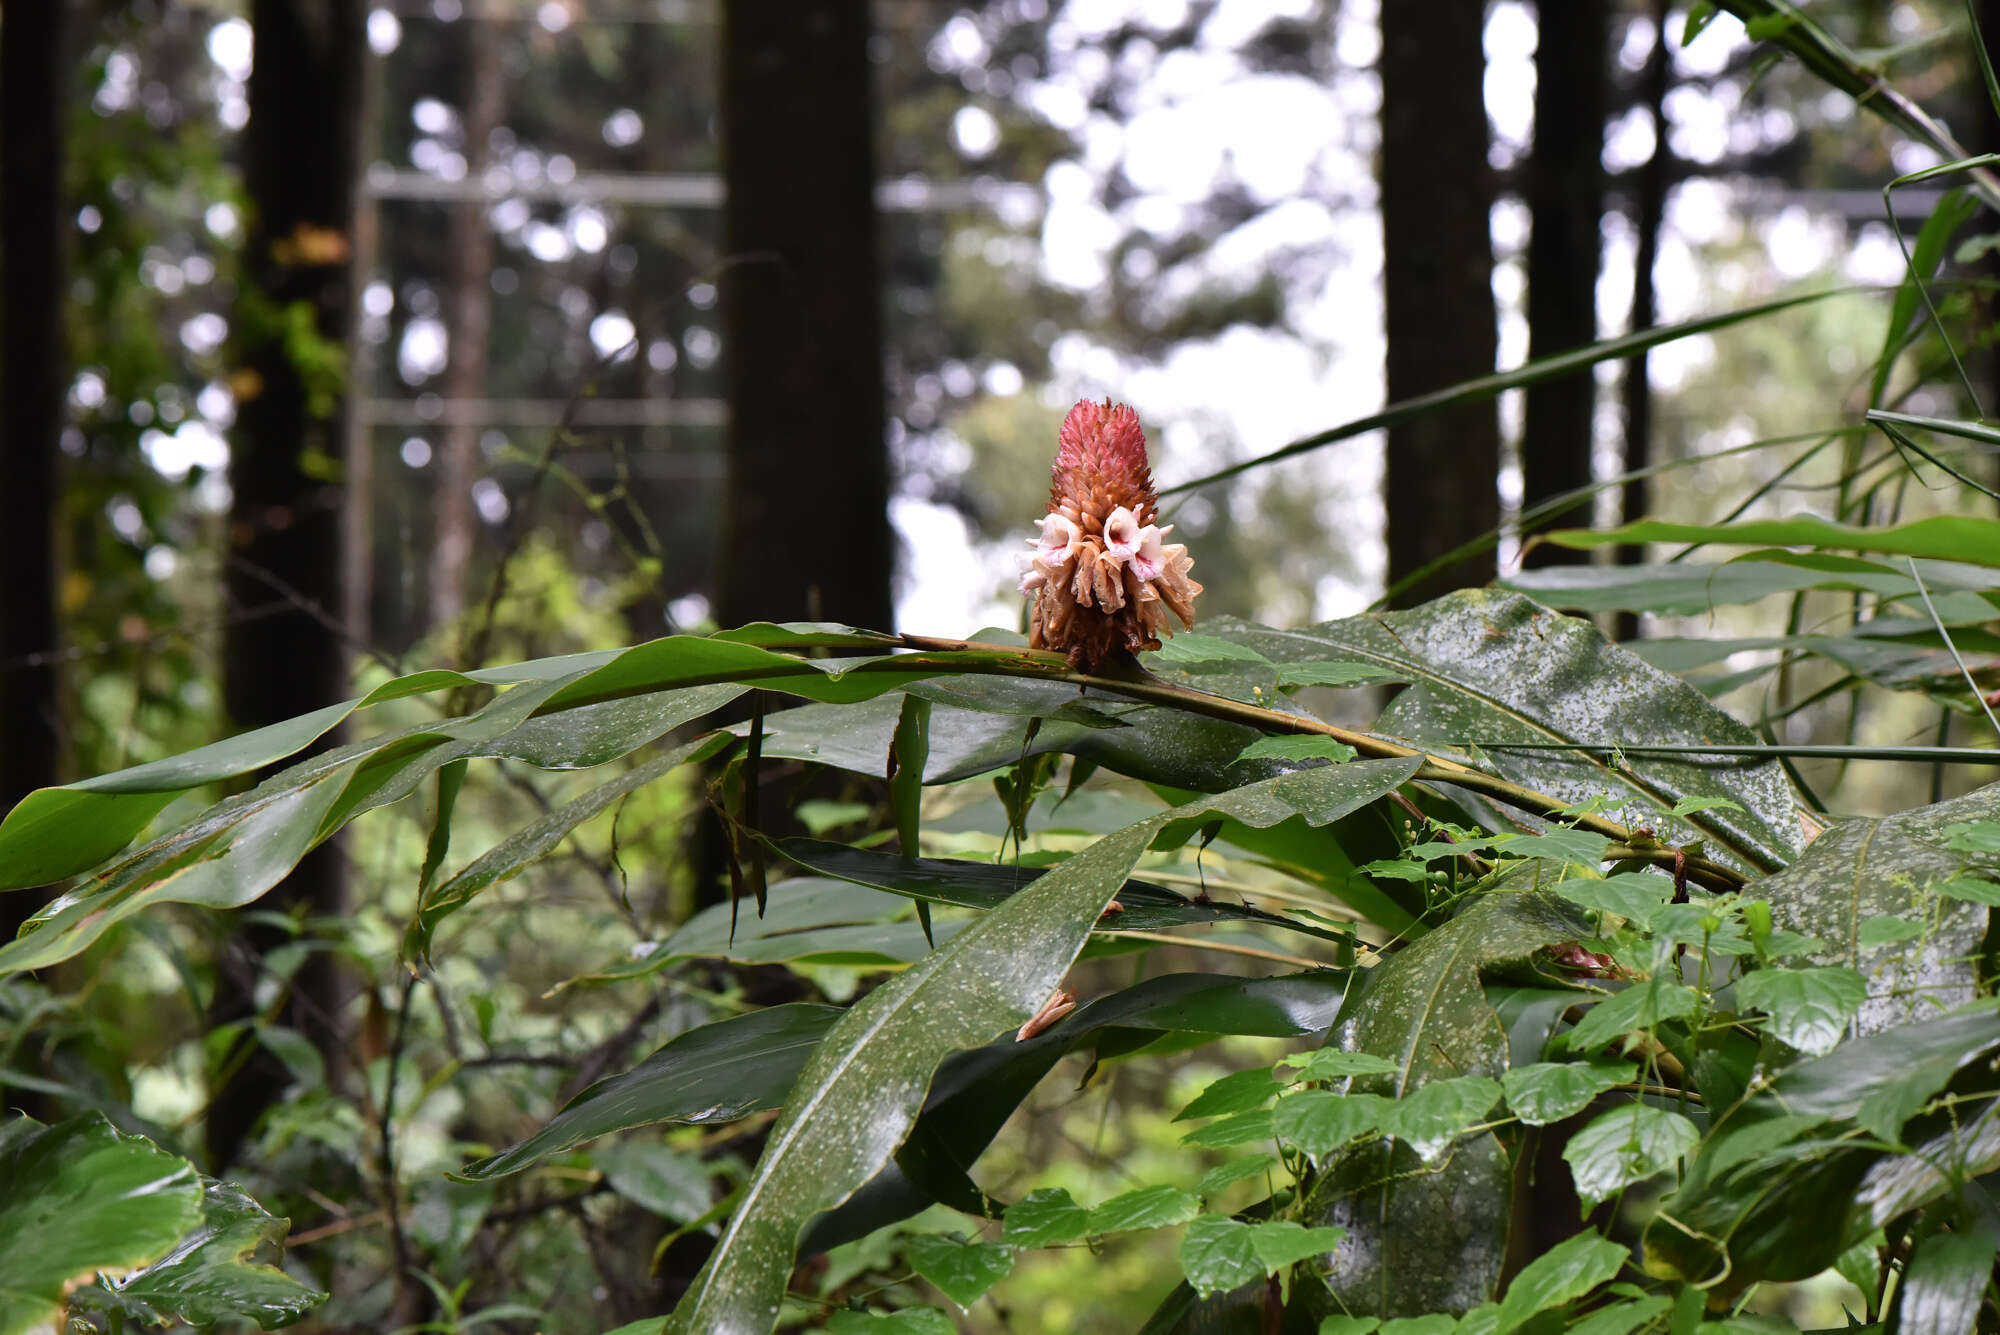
x,y
1121,534
1150,562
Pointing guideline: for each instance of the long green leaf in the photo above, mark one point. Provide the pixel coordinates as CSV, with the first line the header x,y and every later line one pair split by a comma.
x,y
1833,61
1967,538
715,1073
1945,1284
537,839
862,1090
1145,907
1690,588
56,832
1487,387
857,1097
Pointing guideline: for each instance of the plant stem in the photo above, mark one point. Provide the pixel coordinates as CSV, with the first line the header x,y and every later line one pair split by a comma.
x,y
1141,685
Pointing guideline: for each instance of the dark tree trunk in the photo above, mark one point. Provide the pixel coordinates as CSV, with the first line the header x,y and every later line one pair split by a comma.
x,y
1649,206
1437,279
299,161
33,381
805,520
1988,122
1566,200
471,309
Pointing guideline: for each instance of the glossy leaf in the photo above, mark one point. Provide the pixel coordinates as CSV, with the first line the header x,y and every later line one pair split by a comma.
x,y
715,1073
806,919
1044,1218
1621,1146
1280,1243
1945,1284
1334,1064
857,1097
962,1271
1548,1092
1319,1123
1893,866
59,831
1807,1008
1217,1254
79,1197
1641,1006
975,1092
1145,1207
1430,1238
1431,1117
1972,539
1239,1091
1791,1152
211,1275
1244,1128
228,859
1694,588
1145,906
1490,670
1559,1276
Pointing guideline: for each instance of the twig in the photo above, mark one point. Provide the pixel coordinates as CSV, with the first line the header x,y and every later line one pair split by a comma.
x,y
385,1127
593,1064
1938,621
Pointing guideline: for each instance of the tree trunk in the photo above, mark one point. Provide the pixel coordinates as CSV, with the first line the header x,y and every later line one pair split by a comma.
x,y
1566,201
1649,206
300,165
471,309
805,519
33,382
1437,279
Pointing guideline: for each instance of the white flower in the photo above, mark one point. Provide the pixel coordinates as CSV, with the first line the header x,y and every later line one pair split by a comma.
x,y
1059,541
1032,574
1121,535
1150,562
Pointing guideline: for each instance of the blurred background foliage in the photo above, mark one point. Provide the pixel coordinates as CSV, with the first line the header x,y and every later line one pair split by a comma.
x,y
1168,202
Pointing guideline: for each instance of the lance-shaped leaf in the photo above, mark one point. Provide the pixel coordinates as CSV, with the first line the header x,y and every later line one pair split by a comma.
x,y
857,1097
56,832
1490,671
229,858
984,885
79,1197
1692,588
1430,1236
537,839
1894,866
1968,538
715,1073
807,919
